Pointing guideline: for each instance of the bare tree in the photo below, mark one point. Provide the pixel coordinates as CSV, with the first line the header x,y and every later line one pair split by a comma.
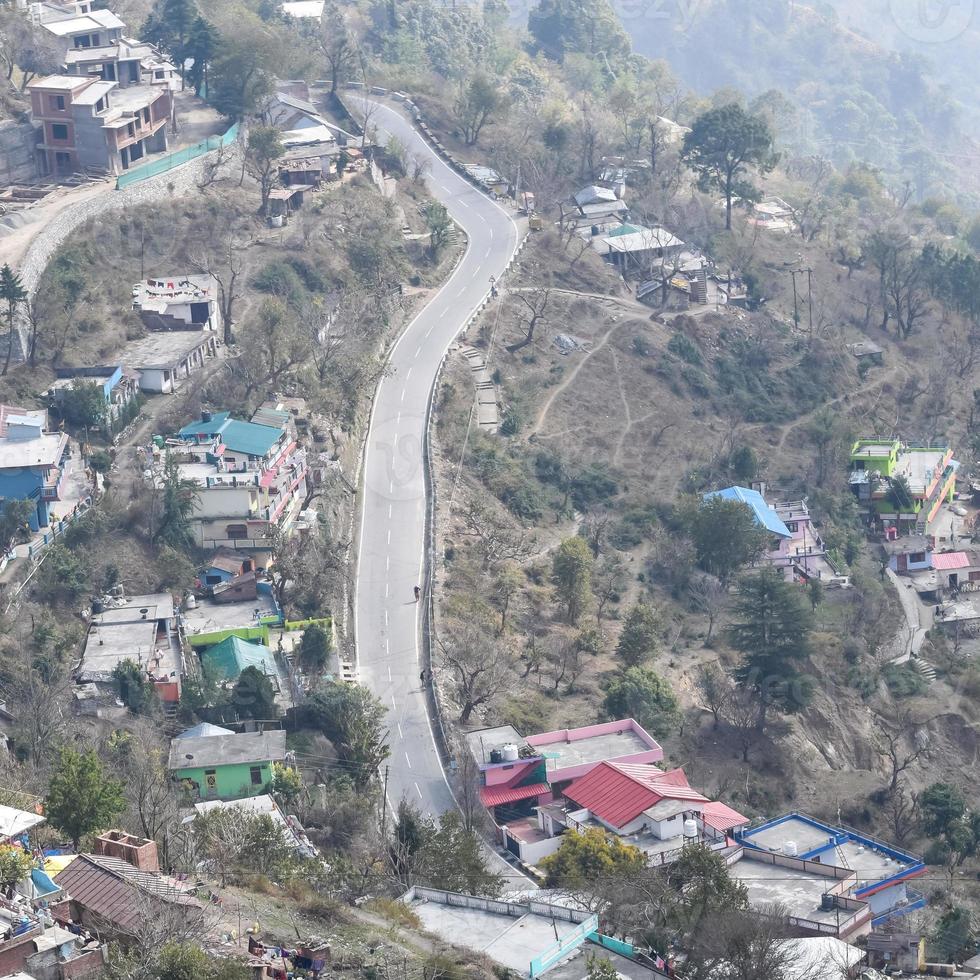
x,y
741,711
709,597
479,671
595,527
223,257
901,812
713,689
609,579
903,740
498,541
535,304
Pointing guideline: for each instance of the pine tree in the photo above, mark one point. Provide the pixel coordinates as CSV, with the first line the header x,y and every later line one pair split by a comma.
x,y
771,630
638,641
13,293
202,44
572,567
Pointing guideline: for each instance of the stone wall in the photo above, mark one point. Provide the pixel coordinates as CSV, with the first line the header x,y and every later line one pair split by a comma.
x,y
174,183
18,158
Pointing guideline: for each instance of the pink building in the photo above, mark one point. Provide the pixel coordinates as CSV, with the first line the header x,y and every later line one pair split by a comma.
x,y
518,774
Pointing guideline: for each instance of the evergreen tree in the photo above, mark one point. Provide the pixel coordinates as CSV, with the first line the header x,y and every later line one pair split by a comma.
x,y
169,26
724,143
314,649
202,44
13,293
771,630
253,696
82,797
645,696
179,497
572,567
638,641
725,533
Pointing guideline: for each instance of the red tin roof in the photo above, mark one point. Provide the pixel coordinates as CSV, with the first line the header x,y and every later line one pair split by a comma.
x,y
619,793
499,795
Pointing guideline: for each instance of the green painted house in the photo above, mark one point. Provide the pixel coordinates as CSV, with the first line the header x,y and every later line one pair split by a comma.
x,y
226,767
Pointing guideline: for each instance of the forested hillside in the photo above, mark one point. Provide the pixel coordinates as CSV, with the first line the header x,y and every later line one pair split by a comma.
x,y
833,91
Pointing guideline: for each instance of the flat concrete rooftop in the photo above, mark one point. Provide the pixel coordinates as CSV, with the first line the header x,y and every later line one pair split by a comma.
x,y
483,741
209,617
512,942
803,834
163,350
597,748
798,892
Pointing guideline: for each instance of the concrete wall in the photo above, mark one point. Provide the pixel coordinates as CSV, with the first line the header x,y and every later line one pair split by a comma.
x,y
18,153
90,142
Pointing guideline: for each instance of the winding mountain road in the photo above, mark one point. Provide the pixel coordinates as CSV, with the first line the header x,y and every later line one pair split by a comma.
x,y
393,512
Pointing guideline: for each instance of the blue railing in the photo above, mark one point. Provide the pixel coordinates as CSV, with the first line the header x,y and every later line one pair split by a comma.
x,y
564,946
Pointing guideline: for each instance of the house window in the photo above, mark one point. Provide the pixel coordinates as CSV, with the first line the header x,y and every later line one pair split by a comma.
x,y
146,114
59,131
130,130
57,102
792,527
255,773
975,576
100,105
917,556
236,531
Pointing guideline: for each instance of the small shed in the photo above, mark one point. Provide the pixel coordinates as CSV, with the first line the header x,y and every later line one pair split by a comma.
x,y
866,352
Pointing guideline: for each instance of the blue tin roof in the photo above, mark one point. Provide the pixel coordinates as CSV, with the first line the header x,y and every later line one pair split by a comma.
x,y
251,438
764,514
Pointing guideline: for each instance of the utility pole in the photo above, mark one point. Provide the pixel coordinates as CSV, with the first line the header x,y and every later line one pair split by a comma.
x,y
384,804
809,298
796,300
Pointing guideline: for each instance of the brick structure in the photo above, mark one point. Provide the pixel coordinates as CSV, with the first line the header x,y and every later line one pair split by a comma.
x,y
137,851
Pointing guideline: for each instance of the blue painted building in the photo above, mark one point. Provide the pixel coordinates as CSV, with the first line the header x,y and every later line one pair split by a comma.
x,y
883,872
32,461
119,387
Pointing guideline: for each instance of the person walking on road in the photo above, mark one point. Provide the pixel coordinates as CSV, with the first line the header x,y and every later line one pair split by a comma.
x,y
418,592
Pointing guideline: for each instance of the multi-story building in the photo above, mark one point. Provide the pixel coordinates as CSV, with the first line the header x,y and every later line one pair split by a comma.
x,y
899,485
251,477
90,123
33,461
77,25
126,61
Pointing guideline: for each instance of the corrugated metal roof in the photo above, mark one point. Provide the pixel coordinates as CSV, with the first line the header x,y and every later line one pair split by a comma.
x,y
618,793
498,795
112,889
950,559
764,514
722,817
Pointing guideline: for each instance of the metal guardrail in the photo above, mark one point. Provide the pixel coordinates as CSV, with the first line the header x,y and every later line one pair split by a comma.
x,y
161,165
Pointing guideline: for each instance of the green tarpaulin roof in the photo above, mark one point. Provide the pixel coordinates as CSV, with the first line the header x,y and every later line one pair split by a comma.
x,y
231,656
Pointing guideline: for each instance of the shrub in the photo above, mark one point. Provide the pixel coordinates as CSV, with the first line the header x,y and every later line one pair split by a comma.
x,y
685,348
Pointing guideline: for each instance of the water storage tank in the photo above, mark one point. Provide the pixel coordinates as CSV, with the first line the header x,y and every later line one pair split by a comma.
x,y
789,848
496,756
511,752
191,602
690,828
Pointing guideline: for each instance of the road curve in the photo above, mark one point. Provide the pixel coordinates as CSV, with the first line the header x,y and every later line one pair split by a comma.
x,y
393,509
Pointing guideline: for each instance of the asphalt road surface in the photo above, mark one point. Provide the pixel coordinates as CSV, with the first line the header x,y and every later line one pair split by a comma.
x,y
392,537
